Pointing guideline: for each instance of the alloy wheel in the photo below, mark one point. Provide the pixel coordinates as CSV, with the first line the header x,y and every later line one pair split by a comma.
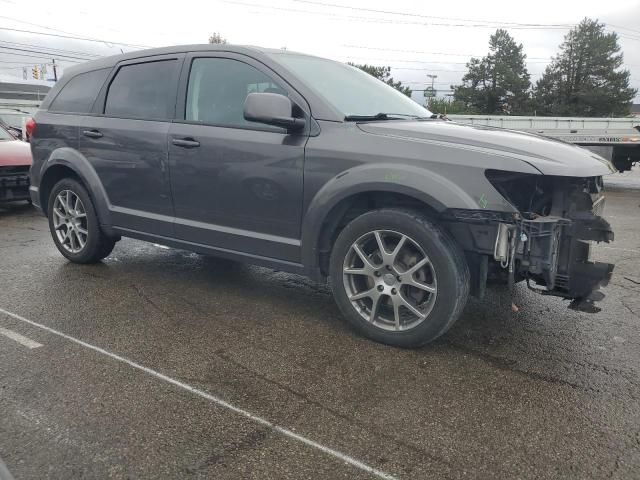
x,y
70,221
389,280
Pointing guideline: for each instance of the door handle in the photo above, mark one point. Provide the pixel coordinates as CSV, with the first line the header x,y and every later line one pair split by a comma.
x,y
92,134
185,142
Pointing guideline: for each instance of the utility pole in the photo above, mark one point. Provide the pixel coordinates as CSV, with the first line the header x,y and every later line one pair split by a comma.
x,y
55,70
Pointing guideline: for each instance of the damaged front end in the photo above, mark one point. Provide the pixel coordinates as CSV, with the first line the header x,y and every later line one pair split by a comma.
x,y
14,183
547,243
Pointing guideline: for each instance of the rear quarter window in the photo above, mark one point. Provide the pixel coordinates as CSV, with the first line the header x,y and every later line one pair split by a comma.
x,y
78,95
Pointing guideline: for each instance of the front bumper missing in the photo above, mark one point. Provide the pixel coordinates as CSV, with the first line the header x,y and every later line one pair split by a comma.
x,y
555,253
552,254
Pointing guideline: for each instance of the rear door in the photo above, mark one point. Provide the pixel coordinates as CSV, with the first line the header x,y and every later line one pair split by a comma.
x,y
126,142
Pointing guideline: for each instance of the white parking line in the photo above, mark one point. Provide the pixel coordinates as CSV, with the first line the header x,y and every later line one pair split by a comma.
x,y
212,398
21,339
5,474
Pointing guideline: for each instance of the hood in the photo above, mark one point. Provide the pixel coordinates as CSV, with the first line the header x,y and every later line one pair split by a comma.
x,y
550,157
14,153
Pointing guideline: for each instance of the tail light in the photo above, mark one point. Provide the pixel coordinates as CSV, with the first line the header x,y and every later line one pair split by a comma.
x,y
30,127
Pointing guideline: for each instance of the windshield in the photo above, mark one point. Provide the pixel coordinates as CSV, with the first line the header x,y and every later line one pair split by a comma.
x,y
349,90
4,135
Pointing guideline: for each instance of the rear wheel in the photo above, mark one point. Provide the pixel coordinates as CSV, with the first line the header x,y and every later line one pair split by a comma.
x,y
398,278
74,224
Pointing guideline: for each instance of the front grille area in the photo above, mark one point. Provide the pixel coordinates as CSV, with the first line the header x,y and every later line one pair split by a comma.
x,y
14,183
15,170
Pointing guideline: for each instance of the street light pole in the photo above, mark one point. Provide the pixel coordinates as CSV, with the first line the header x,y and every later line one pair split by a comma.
x,y
432,92
432,77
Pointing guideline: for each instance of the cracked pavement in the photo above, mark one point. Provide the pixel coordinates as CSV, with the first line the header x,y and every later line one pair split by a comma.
x,y
543,393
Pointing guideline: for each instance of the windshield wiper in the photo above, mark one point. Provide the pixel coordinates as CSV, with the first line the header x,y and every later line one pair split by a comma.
x,y
379,116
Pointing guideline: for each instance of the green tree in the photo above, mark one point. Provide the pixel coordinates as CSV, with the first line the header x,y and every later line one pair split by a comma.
x,y
216,38
446,106
498,83
585,78
384,74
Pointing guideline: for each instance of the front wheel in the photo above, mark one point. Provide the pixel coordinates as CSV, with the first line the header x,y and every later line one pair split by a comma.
x,y
74,224
398,278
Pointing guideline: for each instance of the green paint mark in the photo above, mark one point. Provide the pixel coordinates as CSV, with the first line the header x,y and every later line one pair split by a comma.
x,y
483,202
393,177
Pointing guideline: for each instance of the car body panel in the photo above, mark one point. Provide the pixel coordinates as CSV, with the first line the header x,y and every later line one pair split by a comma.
x,y
550,157
14,153
242,187
345,161
239,189
131,161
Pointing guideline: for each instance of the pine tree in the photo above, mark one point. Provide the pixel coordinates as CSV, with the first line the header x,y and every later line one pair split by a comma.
x,y
384,74
217,39
498,83
585,78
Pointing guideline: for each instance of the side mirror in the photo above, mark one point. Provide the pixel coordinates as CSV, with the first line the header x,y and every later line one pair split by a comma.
x,y
272,109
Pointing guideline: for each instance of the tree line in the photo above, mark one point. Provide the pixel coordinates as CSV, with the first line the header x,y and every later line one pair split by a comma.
x,y
585,78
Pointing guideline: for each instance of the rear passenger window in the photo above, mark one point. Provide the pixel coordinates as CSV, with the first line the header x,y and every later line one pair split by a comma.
x,y
142,91
78,95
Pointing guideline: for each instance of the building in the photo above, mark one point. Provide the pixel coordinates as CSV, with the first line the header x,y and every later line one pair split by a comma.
x,y
635,109
19,101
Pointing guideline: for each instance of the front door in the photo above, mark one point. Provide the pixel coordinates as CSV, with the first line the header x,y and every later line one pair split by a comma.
x,y
237,185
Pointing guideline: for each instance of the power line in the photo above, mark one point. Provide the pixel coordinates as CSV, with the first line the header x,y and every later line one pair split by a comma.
x,y
399,60
487,25
388,21
431,53
53,50
38,56
428,83
73,37
34,24
17,63
417,15
45,54
428,69
623,28
481,23
628,37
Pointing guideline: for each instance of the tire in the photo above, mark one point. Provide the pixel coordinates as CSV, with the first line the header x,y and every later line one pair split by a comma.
x,y
437,288
69,219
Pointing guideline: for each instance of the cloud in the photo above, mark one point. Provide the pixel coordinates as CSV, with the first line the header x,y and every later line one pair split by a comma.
x,y
395,40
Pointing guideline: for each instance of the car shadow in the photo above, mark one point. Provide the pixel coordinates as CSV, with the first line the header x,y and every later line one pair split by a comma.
x,y
13,208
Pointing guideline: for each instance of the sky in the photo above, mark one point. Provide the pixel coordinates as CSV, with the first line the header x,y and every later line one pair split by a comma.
x,y
416,38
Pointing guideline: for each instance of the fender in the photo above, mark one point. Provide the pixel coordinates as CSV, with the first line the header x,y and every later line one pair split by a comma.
x,y
72,159
423,185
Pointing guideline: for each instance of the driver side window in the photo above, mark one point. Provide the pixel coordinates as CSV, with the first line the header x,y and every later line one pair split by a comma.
x,y
218,88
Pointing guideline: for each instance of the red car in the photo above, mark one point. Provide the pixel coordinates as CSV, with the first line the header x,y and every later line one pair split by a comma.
x,y
15,161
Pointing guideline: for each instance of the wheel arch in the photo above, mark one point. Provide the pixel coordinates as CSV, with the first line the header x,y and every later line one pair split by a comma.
x,y
363,189
68,163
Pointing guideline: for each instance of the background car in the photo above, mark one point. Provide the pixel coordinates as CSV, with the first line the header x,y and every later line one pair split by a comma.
x,y
15,162
14,131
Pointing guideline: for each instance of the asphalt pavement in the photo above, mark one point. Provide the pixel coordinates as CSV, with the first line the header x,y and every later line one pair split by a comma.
x,y
159,363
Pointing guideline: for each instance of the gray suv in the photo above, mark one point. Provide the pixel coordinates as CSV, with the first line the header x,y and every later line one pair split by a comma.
x,y
307,165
